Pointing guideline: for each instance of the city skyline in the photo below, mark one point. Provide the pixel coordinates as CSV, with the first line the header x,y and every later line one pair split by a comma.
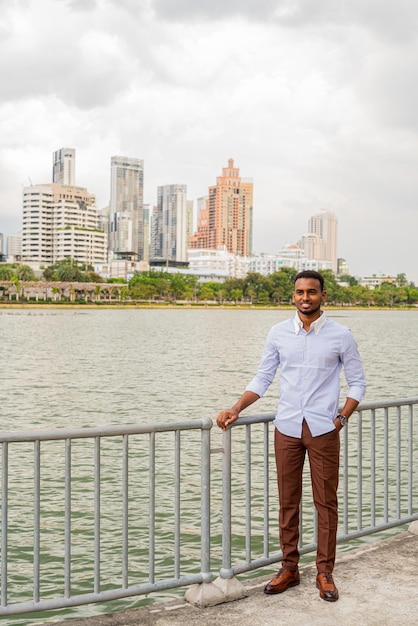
x,y
315,104
126,206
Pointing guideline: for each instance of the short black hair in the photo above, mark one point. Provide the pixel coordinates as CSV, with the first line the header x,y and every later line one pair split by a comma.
x,y
311,274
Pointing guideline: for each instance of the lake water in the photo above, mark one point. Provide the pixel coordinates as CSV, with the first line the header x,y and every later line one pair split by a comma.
x,y
88,367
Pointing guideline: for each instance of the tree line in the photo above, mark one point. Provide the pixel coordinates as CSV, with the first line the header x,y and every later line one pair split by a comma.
x,y
276,288
256,289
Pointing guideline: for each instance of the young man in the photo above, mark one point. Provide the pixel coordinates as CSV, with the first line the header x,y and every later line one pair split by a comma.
x,y
311,349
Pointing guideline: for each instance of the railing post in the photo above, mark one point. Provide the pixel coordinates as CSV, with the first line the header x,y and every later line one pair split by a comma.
x,y
4,520
231,588
226,571
205,506
67,520
36,519
207,593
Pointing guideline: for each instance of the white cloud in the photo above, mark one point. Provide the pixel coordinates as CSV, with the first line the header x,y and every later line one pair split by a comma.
x,y
315,101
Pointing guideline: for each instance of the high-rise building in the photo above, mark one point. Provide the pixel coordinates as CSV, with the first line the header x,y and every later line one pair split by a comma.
x,y
342,267
59,222
313,246
146,232
63,166
169,237
126,218
201,237
189,219
324,224
227,218
14,248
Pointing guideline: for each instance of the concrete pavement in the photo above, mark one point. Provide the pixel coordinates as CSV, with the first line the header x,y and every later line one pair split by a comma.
x,y
378,586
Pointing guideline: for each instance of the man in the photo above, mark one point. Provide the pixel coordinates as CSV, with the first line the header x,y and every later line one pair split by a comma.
x,y
311,349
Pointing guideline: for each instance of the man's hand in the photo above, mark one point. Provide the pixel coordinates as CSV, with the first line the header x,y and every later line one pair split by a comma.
x,y
337,424
226,418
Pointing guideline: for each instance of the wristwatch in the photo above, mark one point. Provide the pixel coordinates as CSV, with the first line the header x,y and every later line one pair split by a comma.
x,y
343,419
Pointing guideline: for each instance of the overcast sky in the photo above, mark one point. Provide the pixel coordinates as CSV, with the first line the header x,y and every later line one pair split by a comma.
x,y
315,100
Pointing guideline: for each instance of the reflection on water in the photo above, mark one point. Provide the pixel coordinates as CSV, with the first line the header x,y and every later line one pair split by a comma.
x,y
79,368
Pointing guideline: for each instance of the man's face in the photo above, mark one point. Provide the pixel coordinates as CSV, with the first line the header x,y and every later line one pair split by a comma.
x,y
308,296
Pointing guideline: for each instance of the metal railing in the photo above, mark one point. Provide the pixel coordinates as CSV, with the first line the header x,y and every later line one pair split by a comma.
x,y
99,514
378,485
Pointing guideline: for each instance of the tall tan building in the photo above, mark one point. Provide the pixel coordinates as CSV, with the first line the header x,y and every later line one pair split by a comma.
x,y
324,224
227,216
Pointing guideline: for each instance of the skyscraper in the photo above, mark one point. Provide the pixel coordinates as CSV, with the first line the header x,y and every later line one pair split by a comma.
x,y
63,166
324,224
126,219
227,218
169,237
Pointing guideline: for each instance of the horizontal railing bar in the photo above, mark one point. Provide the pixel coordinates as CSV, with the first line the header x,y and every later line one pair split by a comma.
x,y
138,429
363,406
103,431
383,404
103,596
371,530
241,568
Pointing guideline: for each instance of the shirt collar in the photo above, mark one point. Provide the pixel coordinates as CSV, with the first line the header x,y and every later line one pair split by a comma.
x,y
316,325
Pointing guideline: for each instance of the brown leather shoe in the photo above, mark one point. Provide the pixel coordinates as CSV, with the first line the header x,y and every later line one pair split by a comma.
x,y
327,589
285,578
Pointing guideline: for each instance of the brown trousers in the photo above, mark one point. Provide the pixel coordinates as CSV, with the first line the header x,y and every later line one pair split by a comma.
x,y
324,460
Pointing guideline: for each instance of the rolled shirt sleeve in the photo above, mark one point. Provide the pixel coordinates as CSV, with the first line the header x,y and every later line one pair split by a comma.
x,y
269,362
353,368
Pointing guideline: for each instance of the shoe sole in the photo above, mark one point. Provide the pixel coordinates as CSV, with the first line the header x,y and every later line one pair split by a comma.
x,y
291,584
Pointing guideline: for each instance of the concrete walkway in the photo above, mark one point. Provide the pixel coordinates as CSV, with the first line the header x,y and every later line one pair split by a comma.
x,y
378,587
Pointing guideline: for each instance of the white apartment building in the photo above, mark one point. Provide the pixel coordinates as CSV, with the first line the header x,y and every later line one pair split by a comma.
x,y
266,264
314,264
59,222
120,268
289,256
217,264
375,281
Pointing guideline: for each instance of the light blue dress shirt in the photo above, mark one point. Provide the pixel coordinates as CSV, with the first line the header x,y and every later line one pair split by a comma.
x,y
310,366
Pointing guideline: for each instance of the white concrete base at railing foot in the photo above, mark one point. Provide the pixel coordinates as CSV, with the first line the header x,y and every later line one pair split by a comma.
x,y
204,594
210,594
413,527
231,588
